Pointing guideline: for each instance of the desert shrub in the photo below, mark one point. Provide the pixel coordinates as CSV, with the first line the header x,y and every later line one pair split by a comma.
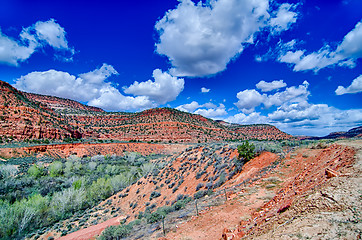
x,y
200,194
147,168
56,169
154,217
269,146
36,171
181,203
200,185
199,174
120,181
8,171
99,190
67,201
221,180
171,185
154,194
92,166
115,232
246,151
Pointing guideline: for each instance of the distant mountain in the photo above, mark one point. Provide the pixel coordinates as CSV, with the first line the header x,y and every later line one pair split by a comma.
x,y
354,132
33,116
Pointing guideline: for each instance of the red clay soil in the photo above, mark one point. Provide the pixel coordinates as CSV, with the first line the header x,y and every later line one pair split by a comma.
x,y
82,150
265,189
301,172
92,231
249,208
222,216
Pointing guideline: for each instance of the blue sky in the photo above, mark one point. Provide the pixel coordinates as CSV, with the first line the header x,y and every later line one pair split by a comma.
x,y
294,64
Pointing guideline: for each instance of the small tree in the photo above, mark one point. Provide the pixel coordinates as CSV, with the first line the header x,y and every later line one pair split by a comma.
x,y
56,169
246,151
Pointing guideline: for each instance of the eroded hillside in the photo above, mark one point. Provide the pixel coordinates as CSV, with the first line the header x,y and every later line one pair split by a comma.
x,y
27,116
270,197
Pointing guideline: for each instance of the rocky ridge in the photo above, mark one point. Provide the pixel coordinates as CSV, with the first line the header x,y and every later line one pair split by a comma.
x,y
33,116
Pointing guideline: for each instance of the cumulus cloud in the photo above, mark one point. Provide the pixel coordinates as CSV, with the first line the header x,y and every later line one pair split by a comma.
x,y
164,89
62,84
284,18
189,107
304,118
91,87
252,118
205,90
248,100
208,110
355,87
111,99
270,86
12,52
291,94
346,54
293,113
201,39
212,112
33,38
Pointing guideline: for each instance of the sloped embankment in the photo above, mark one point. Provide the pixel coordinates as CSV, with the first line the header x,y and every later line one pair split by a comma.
x,y
319,199
196,172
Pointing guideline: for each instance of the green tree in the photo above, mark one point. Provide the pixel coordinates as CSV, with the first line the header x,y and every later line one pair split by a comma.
x,y
246,151
56,169
35,171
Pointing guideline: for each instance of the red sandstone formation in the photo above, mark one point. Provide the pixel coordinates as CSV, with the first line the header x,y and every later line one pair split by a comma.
x,y
32,116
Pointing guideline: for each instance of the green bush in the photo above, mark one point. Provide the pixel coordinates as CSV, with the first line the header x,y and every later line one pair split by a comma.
x,y
35,171
99,190
115,232
154,194
246,151
55,169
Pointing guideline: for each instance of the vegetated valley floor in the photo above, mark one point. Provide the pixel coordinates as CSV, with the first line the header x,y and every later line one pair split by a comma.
x,y
310,192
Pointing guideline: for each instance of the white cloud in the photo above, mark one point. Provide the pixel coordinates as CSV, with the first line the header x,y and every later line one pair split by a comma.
x,y
32,38
291,57
63,84
51,33
355,87
189,107
98,76
208,110
290,94
111,99
11,52
304,118
284,18
346,54
201,39
248,100
252,118
89,87
212,112
293,113
205,90
164,89
92,87
270,86
315,119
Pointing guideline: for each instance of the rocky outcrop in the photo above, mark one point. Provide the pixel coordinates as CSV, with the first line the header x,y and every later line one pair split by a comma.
x,y
21,119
